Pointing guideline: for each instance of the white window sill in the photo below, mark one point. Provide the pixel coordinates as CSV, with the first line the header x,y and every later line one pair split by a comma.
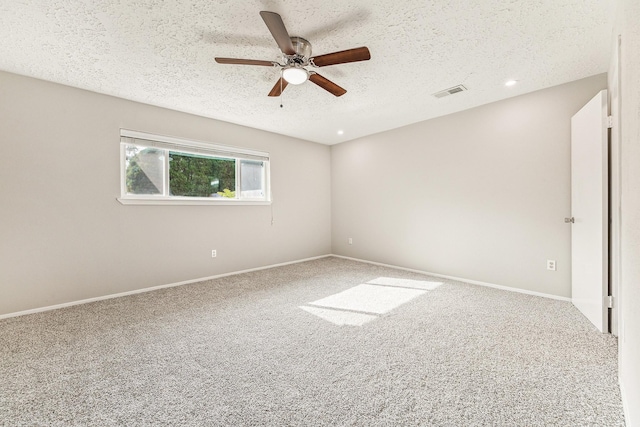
x,y
190,201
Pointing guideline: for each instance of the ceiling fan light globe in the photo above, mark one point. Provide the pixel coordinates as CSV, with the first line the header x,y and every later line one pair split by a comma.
x,y
295,75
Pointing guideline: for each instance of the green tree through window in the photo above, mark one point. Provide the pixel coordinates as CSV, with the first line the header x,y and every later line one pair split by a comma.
x,y
197,176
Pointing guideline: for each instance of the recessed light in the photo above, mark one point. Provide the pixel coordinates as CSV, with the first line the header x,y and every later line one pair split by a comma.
x,y
511,82
340,132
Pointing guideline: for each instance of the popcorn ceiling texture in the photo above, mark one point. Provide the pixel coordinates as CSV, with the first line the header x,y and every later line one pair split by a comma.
x,y
161,53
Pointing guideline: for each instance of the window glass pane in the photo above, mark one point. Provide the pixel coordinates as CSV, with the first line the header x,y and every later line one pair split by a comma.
x,y
252,179
144,170
192,175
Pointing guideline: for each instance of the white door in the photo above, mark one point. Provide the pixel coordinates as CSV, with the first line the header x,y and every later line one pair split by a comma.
x,y
589,209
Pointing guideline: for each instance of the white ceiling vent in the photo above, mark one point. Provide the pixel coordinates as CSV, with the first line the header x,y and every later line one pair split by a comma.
x,y
449,91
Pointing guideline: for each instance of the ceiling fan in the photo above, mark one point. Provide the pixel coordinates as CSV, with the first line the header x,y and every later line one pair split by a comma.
x,y
296,56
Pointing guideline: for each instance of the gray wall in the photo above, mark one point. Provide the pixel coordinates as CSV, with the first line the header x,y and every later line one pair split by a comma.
x,y
628,16
63,235
479,194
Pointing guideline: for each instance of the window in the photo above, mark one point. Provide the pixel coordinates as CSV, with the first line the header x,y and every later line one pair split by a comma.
x,y
165,170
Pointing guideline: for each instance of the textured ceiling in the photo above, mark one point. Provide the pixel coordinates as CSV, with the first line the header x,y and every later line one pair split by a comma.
x,y
161,52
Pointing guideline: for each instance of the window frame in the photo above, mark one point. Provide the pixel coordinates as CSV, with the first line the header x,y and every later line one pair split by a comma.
x,y
180,145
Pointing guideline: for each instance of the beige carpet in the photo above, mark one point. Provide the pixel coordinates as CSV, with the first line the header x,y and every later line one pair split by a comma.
x,y
329,342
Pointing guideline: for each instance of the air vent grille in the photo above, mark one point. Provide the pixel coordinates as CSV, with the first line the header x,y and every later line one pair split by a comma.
x,y
449,91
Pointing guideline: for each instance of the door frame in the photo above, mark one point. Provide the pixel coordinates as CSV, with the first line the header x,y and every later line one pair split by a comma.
x,y
615,189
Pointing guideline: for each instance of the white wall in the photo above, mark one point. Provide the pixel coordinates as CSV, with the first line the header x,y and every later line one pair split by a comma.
x,y
479,194
628,16
63,235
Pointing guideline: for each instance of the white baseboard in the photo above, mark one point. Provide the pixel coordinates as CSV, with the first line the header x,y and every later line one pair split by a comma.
x,y
625,405
461,279
201,279
153,288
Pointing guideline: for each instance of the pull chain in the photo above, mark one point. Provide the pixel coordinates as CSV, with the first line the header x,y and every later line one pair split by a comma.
x,y
281,76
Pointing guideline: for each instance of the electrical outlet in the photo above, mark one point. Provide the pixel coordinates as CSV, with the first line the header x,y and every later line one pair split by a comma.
x,y
214,253
551,264
350,241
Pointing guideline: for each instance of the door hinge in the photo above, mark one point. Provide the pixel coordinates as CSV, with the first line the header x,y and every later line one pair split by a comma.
x,y
569,220
609,122
608,301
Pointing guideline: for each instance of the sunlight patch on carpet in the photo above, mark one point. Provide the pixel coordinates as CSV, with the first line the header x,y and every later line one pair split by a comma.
x,y
339,317
405,283
369,298
363,303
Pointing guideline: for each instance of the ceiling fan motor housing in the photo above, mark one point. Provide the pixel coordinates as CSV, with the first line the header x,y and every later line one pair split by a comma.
x,y
302,48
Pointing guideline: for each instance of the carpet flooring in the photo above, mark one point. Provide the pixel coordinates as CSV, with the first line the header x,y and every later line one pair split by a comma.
x,y
330,342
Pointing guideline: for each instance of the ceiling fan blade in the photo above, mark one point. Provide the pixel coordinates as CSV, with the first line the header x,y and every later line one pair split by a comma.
x,y
327,84
278,31
245,62
279,87
342,57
